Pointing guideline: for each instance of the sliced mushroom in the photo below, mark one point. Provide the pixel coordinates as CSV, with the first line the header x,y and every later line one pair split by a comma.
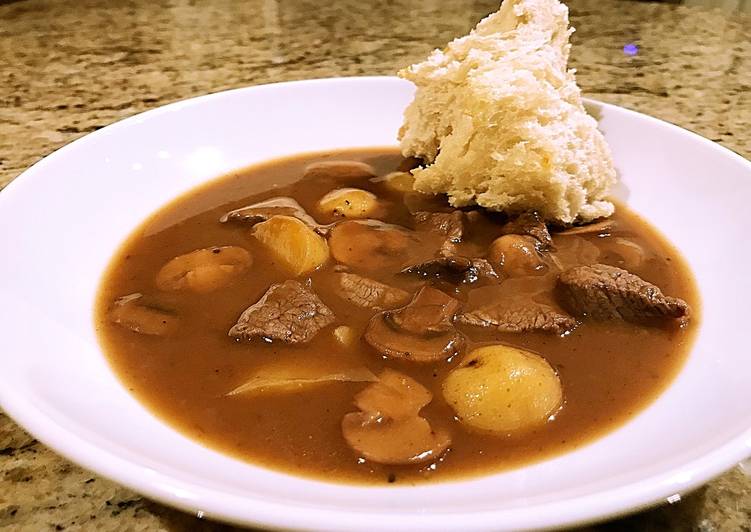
x,y
422,331
603,227
371,245
132,313
388,428
204,270
262,211
339,170
395,395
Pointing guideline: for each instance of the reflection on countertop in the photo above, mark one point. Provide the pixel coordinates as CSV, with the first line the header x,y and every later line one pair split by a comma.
x,y
70,68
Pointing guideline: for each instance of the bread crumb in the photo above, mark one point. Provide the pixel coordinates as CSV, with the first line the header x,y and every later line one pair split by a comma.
x,y
499,122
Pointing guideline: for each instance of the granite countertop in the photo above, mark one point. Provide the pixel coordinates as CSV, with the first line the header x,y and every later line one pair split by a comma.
x,y
70,67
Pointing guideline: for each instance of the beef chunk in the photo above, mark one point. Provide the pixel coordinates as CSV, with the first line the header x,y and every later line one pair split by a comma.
x,y
450,224
368,293
288,311
530,223
454,269
605,292
521,317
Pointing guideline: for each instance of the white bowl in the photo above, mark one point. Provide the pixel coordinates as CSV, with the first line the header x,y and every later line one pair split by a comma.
x,y
64,218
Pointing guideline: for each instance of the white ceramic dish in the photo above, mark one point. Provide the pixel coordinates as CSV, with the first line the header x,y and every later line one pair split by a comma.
x,y
62,220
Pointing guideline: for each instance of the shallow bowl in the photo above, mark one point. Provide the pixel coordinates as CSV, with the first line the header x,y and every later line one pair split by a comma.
x,y
62,220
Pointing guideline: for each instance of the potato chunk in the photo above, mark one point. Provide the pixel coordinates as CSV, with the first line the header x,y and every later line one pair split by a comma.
x,y
350,203
502,389
295,245
204,270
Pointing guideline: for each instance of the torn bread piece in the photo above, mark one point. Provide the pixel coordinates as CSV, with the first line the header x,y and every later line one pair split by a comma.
x,y
499,121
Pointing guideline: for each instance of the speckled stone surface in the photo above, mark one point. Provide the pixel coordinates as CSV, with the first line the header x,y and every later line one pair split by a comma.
x,y
70,67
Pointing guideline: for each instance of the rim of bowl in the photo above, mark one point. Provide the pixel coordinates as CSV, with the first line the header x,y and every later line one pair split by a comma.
x,y
223,506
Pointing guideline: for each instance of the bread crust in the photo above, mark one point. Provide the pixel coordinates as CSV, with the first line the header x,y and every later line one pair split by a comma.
x,y
499,121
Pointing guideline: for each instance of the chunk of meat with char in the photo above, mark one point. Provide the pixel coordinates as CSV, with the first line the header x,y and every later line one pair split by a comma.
x,y
454,269
605,292
368,293
422,331
288,311
530,223
449,224
520,317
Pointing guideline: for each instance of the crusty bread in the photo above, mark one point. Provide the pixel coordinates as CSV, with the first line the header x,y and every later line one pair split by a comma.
x,y
499,120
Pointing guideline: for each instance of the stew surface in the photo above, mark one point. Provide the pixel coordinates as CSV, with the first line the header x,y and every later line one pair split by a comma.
x,y
166,332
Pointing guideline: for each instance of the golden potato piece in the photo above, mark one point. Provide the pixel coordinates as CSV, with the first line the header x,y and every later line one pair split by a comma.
x,y
388,428
204,270
395,395
295,245
502,389
350,203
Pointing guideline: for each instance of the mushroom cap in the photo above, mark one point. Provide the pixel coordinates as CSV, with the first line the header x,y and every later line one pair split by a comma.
x,y
394,441
204,270
388,429
372,245
422,331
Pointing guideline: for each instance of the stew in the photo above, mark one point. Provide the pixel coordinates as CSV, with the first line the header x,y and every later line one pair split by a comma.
x,y
314,315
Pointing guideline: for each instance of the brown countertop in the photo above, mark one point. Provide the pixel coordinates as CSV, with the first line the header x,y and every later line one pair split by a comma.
x,y
71,67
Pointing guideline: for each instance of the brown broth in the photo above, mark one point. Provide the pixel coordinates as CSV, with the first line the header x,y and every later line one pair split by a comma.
x,y
610,371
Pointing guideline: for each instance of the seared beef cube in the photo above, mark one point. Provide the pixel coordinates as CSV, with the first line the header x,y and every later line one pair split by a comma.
x,y
530,223
288,311
523,317
605,292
